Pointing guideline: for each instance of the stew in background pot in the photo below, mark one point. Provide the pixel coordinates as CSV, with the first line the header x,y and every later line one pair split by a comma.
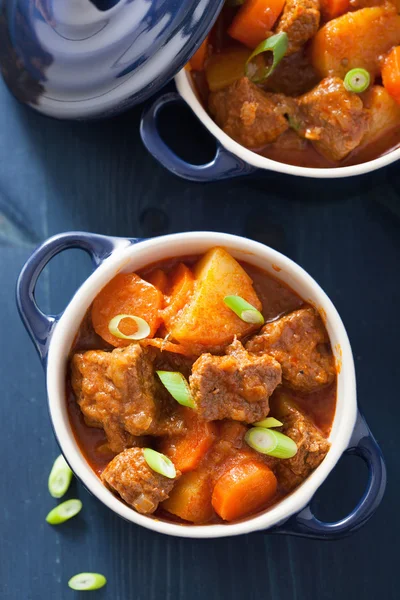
x,y
314,83
220,407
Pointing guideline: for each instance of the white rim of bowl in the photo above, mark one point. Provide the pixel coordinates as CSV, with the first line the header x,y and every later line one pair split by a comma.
x,y
185,88
65,331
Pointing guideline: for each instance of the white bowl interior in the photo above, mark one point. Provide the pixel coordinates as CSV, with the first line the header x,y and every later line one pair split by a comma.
x,y
185,86
144,253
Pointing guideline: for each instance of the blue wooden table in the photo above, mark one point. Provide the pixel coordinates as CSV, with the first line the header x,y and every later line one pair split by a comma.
x,y
57,176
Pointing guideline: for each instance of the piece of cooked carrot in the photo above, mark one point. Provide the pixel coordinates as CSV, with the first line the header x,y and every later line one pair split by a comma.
x,y
159,279
187,450
197,62
254,21
127,294
182,284
191,498
330,9
243,489
391,73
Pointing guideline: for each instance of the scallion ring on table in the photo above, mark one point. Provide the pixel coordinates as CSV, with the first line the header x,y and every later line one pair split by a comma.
x,y
143,328
277,44
159,463
59,478
273,443
63,512
177,386
268,423
357,80
83,582
244,310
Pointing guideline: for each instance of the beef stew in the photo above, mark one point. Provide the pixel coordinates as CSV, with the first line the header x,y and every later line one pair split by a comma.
x,y
235,372
313,83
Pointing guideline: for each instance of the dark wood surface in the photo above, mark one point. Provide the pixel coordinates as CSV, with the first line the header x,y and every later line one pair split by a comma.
x,y
57,176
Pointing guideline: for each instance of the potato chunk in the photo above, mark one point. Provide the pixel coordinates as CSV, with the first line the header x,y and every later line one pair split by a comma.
x,y
356,40
383,113
206,320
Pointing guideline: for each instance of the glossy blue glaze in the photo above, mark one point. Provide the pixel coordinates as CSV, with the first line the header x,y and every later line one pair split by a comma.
x,y
40,328
223,166
81,59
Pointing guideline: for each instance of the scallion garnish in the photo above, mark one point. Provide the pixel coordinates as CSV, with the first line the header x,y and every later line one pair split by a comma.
x,y
177,386
268,423
277,44
143,328
87,581
159,463
244,310
64,512
273,443
357,80
59,478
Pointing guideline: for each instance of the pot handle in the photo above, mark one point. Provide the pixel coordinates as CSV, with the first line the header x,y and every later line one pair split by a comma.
x,y
364,445
224,165
39,325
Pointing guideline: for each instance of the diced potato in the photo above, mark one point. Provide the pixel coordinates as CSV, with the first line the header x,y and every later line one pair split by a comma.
x,y
356,40
206,320
384,114
227,67
191,498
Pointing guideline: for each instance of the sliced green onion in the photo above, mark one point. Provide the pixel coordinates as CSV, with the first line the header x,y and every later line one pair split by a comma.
x,y
143,328
357,80
87,581
277,44
244,310
268,422
177,386
159,463
271,442
59,478
64,512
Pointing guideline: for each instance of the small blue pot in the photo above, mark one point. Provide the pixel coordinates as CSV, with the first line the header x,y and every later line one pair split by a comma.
x,y
53,336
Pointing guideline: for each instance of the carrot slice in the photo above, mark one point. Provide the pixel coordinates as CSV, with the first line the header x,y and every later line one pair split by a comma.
x,y
254,21
186,451
391,73
243,489
198,59
159,279
191,498
330,9
182,284
128,294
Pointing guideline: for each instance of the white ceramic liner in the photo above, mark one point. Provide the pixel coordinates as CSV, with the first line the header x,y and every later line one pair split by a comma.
x,y
144,253
186,89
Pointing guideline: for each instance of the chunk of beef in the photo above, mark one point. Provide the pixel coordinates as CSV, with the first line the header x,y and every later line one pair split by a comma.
x,y
312,447
250,116
236,386
129,475
300,20
295,75
332,118
117,391
299,342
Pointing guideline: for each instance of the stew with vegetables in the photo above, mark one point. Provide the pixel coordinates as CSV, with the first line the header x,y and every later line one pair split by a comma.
x,y
314,83
201,389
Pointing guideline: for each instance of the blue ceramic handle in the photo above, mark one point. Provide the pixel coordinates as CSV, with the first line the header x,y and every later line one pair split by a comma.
x,y
223,166
364,445
38,324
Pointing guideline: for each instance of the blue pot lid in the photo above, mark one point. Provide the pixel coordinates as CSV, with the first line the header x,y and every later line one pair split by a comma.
x,y
80,58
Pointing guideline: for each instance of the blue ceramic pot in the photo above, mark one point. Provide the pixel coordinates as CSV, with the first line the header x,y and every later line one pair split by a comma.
x,y
77,59
53,337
